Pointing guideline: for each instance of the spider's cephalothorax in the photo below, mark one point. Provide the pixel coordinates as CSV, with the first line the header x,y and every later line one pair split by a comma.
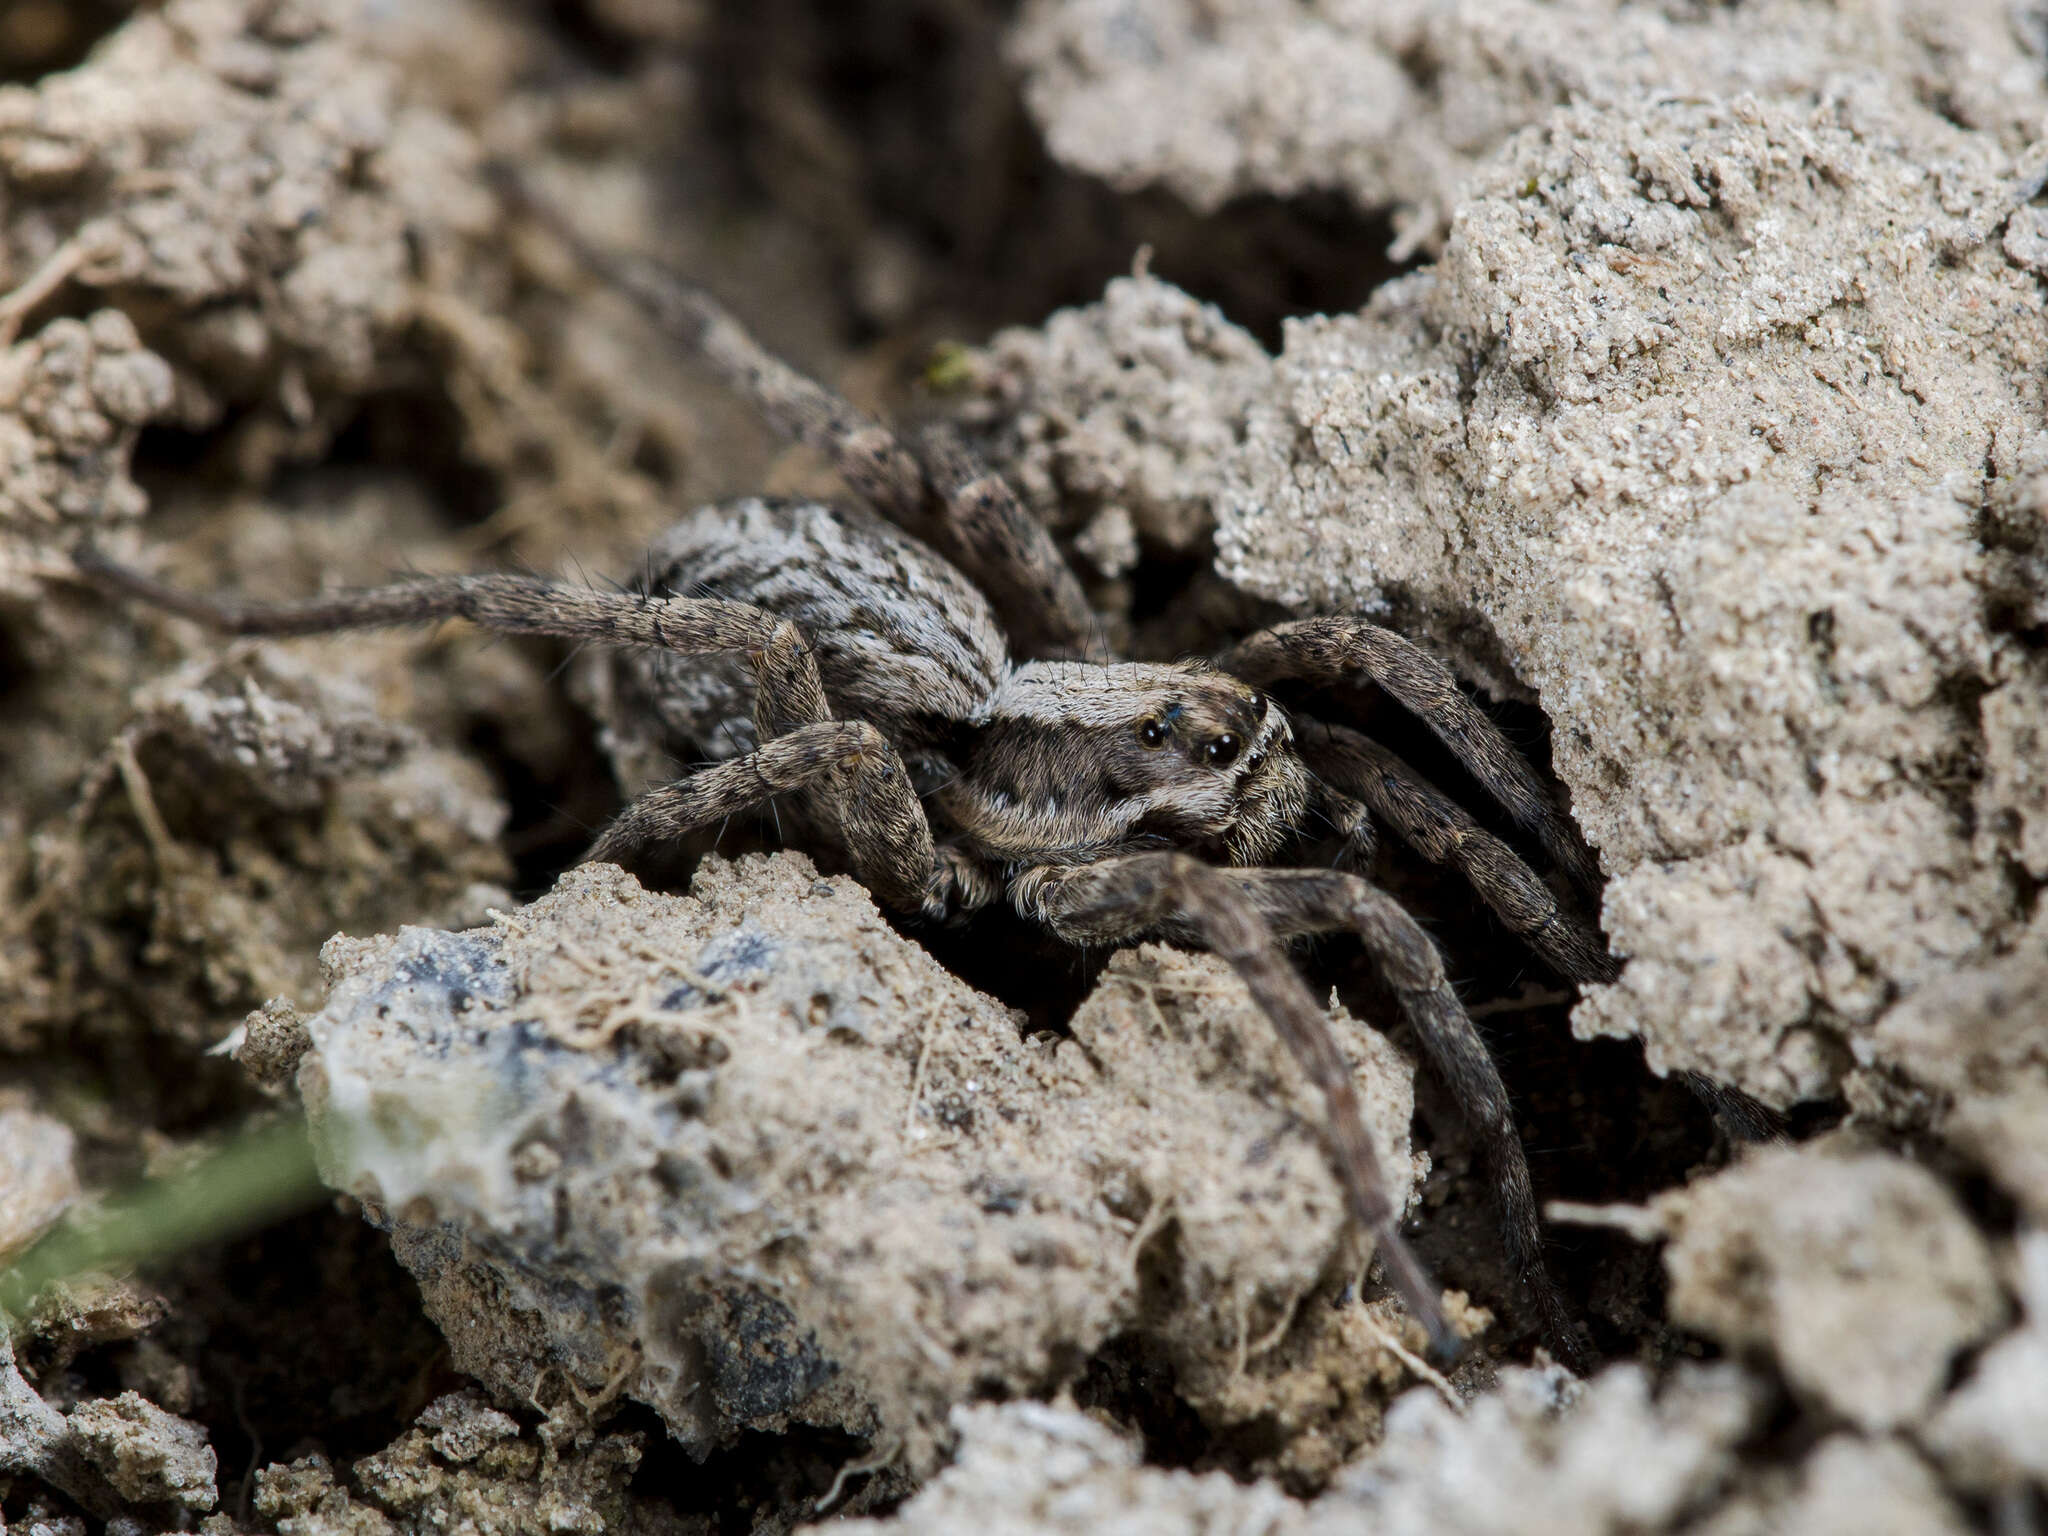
x,y
1082,761
861,668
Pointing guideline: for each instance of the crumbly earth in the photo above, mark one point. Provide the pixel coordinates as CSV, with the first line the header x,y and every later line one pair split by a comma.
x,y
1695,434
466,1465
1860,1274
1535,1456
749,1157
1397,105
1707,444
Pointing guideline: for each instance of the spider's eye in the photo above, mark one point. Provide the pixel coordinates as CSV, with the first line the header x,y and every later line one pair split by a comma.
x,y
1221,751
1153,733
1258,706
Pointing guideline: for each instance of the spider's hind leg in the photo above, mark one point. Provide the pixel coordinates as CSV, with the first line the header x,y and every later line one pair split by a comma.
x,y
936,489
846,762
789,691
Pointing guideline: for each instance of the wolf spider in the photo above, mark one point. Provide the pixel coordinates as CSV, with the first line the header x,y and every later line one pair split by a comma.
x,y
856,662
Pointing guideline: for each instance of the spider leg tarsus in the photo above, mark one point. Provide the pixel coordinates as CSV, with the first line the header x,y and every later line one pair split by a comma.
x,y
1412,1284
1744,1118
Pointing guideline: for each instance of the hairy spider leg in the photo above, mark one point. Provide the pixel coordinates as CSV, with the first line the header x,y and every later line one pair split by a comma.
x,y
1443,832
943,493
1439,829
886,834
1333,649
887,837
1122,898
1291,902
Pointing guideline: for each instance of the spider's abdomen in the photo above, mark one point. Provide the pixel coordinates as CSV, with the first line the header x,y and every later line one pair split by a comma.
x,y
902,639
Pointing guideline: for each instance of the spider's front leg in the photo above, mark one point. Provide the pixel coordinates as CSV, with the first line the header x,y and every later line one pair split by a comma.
x,y
887,837
1442,831
1122,898
1337,649
1238,913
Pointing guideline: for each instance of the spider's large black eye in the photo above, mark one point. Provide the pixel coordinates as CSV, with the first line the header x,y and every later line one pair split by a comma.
x,y
1153,732
1221,751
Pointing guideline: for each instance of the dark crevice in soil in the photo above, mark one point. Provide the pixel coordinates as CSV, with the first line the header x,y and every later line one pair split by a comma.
x,y
414,429
595,43
1813,1118
420,432
1128,1379
39,37
1263,260
764,1483
303,1336
167,455
17,675
179,1088
1597,1126
2027,889
556,809
925,140
997,952
1180,608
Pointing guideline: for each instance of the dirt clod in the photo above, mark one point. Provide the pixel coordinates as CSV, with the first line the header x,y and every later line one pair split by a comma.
x,y
147,1455
927,1208
1860,1274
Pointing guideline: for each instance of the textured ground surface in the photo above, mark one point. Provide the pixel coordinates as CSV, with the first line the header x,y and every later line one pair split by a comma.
x,y
1705,440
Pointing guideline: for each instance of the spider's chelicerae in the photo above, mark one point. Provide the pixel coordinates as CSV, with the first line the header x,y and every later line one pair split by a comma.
x,y
866,666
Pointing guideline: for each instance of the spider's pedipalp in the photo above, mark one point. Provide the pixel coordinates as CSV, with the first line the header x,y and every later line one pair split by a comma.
x,y
1116,899
1350,823
1332,649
